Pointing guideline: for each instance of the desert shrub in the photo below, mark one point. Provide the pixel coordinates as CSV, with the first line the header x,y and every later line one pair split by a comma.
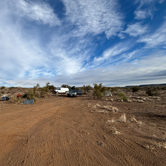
x,y
45,89
86,88
114,89
65,86
152,91
31,95
3,92
17,100
99,90
51,87
163,88
3,87
123,96
11,88
135,88
43,94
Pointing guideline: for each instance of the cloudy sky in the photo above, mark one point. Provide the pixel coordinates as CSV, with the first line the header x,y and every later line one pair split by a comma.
x,y
77,42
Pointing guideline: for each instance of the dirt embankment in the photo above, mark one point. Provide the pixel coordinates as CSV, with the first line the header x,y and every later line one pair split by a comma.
x,y
62,131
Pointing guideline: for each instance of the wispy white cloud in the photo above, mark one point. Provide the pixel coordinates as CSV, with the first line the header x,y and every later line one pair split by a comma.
x,y
40,12
136,29
95,16
129,55
146,8
17,55
130,73
147,2
142,14
68,54
113,51
157,38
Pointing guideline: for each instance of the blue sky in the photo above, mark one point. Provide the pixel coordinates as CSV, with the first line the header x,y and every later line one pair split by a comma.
x,y
81,42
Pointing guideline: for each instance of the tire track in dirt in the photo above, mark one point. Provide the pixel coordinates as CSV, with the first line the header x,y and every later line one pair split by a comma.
x,y
65,135
122,148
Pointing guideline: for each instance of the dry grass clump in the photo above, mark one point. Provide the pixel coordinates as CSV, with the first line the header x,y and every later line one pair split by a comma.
x,y
123,118
162,144
133,119
97,105
156,145
89,104
111,121
123,96
111,108
115,131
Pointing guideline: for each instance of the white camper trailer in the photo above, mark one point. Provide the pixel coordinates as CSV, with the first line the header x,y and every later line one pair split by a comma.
x,y
61,90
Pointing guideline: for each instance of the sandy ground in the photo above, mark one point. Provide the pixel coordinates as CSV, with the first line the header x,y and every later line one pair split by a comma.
x,y
61,131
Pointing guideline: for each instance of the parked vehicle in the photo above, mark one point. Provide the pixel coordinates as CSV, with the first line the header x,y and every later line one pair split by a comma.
x,y
74,92
61,90
5,98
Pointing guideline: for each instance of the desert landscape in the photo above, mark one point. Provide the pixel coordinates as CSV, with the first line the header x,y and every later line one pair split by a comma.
x,y
66,131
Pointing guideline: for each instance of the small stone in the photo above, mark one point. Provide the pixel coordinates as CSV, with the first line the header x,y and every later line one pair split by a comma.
x,y
100,143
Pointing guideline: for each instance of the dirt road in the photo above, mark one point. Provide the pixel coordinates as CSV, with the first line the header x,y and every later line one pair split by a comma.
x,y
65,131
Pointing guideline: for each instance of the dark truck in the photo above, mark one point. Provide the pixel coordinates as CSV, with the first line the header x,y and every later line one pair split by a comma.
x,y
74,92
5,98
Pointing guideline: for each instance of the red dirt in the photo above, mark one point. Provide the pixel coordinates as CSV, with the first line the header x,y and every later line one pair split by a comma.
x,y
62,131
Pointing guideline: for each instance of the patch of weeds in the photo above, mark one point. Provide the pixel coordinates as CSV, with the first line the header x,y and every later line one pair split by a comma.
x,y
135,88
99,90
152,91
3,87
115,131
17,100
123,118
31,95
123,96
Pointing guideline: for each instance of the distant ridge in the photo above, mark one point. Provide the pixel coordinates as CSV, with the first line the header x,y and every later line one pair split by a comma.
x,y
164,84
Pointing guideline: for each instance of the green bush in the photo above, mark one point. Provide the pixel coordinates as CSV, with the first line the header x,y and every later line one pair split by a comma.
x,y
51,87
163,88
31,95
98,90
123,96
3,87
86,88
135,88
114,89
65,86
151,91
17,100
43,94
11,88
